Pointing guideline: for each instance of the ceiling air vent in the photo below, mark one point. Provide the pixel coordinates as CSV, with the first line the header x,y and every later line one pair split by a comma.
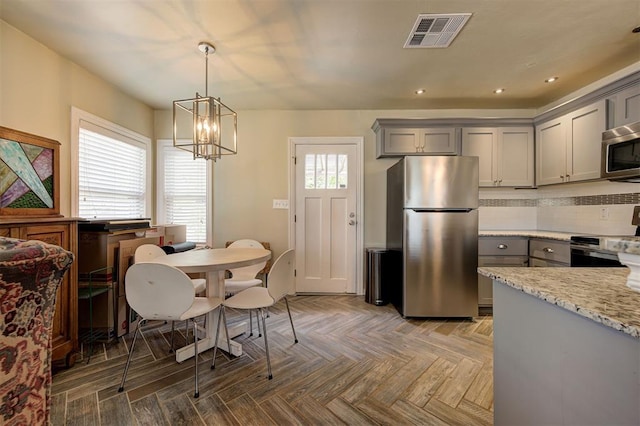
x,y
436,30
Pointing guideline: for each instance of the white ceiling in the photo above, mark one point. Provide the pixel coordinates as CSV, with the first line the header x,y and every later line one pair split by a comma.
x,y
337,54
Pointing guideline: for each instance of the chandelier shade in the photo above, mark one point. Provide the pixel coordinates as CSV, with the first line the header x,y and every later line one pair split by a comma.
x,y
204,125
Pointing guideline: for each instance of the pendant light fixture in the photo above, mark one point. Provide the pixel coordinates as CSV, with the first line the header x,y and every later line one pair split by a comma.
x,y
203,125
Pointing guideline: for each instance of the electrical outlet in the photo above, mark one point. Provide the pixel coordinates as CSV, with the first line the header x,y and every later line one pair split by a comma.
x,y
280,204
604,213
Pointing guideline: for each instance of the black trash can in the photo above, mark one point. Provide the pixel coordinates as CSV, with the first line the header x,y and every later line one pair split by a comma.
x,y
374,264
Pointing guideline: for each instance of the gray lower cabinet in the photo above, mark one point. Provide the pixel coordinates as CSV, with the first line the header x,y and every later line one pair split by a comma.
x,y
499,251
549,253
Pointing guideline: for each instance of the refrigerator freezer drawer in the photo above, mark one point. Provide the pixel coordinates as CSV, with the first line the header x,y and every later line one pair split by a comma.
x,y
440,264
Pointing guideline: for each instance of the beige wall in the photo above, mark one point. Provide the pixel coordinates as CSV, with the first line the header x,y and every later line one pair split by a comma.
x,y
38,87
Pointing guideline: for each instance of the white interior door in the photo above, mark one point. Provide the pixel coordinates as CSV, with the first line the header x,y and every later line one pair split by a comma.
x,y
326,217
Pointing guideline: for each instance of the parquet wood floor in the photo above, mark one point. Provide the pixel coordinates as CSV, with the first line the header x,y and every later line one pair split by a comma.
x,y
355,364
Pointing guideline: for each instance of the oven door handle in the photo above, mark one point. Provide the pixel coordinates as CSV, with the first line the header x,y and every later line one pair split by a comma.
x,y
581,251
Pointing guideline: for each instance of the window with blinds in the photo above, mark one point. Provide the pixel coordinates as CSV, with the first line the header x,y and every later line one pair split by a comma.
x,y
112,174
182,190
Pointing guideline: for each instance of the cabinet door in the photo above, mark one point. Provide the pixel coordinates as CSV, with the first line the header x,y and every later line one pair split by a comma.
x,y
551,152
627,107
64,329
482,143
584,141
555,251
401,141
515,156
439,141
485,284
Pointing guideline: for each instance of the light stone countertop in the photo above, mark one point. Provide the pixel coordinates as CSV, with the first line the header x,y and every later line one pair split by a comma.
x,y
551,235
629,245
599,294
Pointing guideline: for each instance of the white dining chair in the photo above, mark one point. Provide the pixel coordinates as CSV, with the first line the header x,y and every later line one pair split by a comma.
x,y
174,299
280,282
245,277
148,252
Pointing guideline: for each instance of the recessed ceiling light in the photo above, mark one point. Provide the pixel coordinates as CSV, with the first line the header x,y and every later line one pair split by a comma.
x,y
420,91
551,79
498,91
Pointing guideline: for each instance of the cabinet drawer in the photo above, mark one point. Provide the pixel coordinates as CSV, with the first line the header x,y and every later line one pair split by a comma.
x,y
510,261
539,263
557,251
502,246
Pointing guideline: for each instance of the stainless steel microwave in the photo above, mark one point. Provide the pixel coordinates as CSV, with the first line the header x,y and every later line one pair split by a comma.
x,y
621,153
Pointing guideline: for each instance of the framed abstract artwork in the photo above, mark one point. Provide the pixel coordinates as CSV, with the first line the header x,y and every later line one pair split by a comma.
x,y
29,174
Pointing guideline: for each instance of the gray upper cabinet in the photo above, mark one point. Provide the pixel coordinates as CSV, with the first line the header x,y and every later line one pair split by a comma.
x,y
569,147
626,106
394,138
506,154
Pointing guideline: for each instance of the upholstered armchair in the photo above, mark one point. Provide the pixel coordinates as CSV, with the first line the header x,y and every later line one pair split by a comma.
x,y
30,273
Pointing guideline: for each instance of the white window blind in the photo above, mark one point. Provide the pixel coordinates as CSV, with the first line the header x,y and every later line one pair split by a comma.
x,y
185,192
111,174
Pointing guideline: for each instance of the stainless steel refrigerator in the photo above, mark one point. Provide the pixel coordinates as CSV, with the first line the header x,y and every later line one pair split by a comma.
x,y
432,233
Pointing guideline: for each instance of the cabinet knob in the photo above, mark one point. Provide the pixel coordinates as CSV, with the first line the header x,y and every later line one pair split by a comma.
x,y
547,250
503,246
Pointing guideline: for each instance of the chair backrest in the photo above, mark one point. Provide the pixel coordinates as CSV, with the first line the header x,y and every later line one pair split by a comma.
x,y
247,272
157,291
281,280
147,252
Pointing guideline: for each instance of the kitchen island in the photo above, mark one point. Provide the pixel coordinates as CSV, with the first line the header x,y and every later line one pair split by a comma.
x,y
566,346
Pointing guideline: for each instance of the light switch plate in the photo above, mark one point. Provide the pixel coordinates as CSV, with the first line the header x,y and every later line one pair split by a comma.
x,y
280,204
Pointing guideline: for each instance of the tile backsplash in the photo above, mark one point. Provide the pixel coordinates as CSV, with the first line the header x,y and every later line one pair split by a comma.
x,y
593,208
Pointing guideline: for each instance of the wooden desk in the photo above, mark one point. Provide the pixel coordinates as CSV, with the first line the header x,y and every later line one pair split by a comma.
x,y
214,262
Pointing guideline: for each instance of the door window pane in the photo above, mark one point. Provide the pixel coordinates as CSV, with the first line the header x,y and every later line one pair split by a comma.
x,y
325,171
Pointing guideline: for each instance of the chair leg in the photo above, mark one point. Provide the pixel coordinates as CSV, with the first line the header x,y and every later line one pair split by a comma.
x,y
258,321
250,324
195,357
226,331
295,338
215,342
173,326
266,345
133,345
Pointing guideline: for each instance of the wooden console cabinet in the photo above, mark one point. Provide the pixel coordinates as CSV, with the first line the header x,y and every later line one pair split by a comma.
x,y
62,232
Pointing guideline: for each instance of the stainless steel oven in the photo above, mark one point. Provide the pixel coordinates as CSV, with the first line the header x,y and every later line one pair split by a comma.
x,y
586,253
621,153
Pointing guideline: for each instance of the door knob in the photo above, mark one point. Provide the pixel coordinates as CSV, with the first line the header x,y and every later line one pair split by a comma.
x,y
352,222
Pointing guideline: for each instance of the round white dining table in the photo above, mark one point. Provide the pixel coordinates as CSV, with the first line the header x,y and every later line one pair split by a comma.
x,y
214,262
